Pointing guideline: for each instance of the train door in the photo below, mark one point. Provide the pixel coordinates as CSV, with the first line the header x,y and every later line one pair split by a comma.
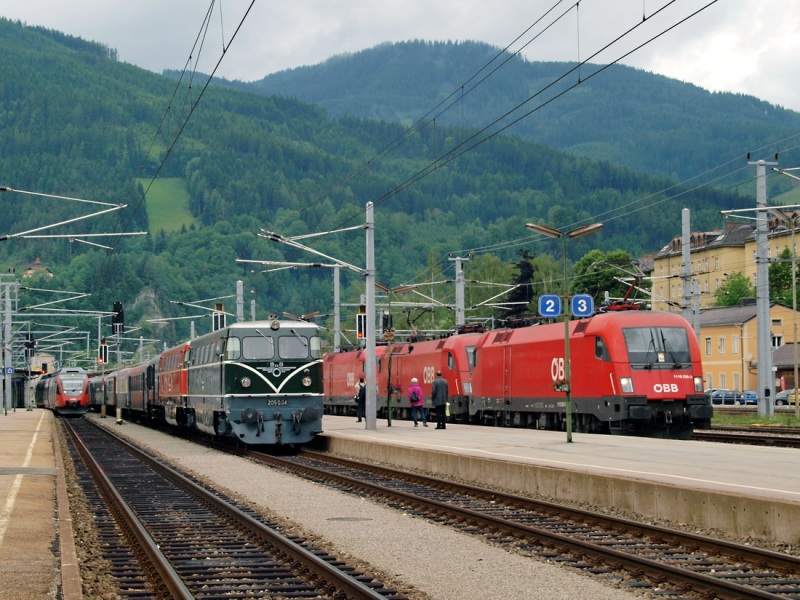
x,y
507,374
150,388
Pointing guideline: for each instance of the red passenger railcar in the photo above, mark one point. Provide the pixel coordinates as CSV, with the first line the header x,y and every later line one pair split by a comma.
x,y
65,392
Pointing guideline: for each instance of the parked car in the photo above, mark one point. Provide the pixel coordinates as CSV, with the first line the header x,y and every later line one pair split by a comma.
x,y
724,396
786,397
749,397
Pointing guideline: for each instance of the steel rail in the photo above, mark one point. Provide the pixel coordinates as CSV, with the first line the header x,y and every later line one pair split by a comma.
x,y
169,578
699,582
327,575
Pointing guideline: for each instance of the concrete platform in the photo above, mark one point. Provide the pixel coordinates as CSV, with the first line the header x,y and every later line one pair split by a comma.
x,y
745,491
741,490
37,548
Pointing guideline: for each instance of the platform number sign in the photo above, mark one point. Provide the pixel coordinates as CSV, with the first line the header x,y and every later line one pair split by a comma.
x,y
549,305
582,305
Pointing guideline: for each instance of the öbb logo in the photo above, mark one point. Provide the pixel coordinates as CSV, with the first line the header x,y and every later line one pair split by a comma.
x,y
666,388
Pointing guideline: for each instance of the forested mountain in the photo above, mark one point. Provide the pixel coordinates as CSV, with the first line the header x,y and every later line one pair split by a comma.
x,y
627,116
76,122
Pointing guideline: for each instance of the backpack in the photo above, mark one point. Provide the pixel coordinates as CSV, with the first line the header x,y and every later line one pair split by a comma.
x,y
414,397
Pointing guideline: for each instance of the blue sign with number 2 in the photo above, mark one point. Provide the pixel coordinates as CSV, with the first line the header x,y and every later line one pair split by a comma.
x,y
549,305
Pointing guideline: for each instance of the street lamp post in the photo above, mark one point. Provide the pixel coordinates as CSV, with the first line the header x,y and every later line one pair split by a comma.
x,y
565,235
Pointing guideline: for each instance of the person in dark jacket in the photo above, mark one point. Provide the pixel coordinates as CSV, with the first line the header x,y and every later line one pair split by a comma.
x,y
416,399
439,397
361,399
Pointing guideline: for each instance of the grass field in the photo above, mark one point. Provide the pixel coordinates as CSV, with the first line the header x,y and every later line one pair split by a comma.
x,y
168,205
782,418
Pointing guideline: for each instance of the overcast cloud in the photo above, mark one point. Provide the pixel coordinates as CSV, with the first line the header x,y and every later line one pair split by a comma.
x,y
734,45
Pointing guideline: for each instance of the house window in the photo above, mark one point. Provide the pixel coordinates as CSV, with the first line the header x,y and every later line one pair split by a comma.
x,y
708,347
716,263
735,344
709,380
777,322
722,380
777,341
736,384
721,347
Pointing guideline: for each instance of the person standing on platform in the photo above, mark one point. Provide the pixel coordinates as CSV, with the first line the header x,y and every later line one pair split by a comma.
x,y
439,396
361,399
416,399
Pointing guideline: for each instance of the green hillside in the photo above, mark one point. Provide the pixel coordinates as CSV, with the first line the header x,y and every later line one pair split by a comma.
x,y
630,117
78,123
168,205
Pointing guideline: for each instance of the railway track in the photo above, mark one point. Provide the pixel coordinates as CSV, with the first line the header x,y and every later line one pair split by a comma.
x,y
783,437
171,537
644,555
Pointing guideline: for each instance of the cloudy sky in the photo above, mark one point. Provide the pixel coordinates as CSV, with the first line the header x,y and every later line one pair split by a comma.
x,y
733,45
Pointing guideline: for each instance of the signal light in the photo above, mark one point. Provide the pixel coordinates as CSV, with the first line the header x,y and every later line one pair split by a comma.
x,y
361,326
102,352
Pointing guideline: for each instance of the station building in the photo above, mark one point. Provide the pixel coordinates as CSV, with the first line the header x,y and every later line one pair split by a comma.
x,y
729,335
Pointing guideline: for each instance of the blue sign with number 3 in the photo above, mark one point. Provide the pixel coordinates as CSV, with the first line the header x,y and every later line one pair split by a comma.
x,y
549,305
582,305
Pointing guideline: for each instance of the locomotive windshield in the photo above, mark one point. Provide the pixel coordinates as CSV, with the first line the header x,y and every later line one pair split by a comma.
x,y
658,347
72,384
294,346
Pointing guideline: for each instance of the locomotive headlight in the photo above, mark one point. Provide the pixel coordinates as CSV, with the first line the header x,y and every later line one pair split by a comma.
x,y
245,382
307,381
698,384
627,384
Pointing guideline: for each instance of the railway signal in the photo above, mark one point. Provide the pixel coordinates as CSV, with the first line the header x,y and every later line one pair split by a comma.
x,y
30,346
361,322
219,316
102,352
118,319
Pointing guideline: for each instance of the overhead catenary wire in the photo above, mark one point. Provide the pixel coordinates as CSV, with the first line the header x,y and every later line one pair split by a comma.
x,y
181,126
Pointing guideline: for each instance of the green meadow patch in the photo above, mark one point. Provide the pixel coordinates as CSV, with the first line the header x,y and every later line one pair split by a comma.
x,y
168,205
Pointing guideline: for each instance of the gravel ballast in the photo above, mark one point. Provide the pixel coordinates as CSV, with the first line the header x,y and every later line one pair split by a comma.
x,y
422,559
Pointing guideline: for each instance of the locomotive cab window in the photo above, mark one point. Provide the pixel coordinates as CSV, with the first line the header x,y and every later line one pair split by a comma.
x,y
258,348
660,347
601,350
471,358
297,346
233,348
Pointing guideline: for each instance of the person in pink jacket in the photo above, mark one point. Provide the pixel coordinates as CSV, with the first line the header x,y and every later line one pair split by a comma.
x,y
416,399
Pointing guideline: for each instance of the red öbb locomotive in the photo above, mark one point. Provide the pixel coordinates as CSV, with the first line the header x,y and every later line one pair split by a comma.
x,y
632,373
